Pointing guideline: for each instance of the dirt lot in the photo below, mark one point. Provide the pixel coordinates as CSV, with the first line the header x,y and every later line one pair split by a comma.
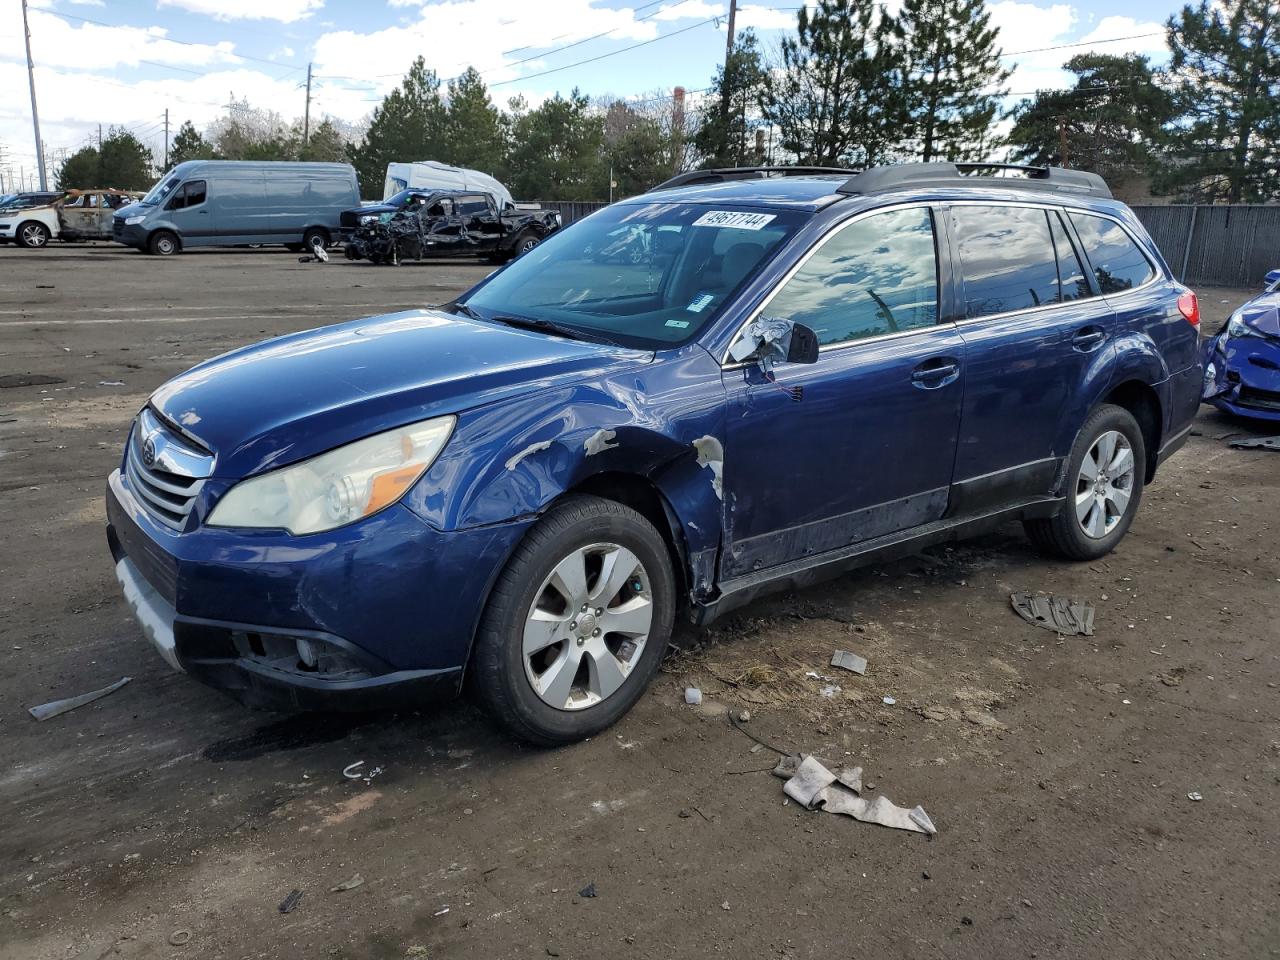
x,y
166,821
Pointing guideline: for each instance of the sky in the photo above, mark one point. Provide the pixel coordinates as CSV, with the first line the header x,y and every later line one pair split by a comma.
x,y
124,62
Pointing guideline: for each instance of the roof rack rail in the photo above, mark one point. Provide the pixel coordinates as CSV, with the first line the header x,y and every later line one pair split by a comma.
x,y
906,176
721,174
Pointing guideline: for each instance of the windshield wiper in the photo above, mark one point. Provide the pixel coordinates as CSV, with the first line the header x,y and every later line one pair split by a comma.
x,y
549,326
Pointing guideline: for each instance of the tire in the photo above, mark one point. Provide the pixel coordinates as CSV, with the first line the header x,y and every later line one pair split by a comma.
x,y
579,662
523,244
1093,520
162,243
315,234
33,235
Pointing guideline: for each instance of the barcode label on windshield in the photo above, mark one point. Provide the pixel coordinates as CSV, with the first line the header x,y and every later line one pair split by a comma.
x,y
735,219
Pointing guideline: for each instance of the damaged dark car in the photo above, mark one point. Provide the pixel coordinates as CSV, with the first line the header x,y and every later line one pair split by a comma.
x,y
418,225
1242,361
526,486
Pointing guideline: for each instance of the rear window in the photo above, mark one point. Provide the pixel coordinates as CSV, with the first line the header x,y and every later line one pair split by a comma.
x,y
1117,261
1007,259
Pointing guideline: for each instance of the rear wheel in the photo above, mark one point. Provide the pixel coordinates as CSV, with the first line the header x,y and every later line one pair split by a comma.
x,y
163,244
577,623
33,235
1105,476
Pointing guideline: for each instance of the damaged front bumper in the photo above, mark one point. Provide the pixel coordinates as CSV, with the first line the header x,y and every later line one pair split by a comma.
x,y
376,615
1242,376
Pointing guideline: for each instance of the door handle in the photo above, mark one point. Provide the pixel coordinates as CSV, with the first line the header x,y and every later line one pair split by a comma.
x,y
1088,338
935,372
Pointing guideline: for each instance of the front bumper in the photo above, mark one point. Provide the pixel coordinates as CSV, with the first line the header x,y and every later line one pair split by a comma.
x,y
1243,376
391,603
132,235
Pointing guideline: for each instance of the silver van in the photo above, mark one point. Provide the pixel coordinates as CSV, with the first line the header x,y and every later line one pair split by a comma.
x,y
221,203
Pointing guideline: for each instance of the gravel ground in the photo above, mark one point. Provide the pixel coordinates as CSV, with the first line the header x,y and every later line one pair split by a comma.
x,y
167,821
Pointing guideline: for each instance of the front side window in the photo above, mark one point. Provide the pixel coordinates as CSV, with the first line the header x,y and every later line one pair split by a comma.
x,y
1007,258
647,275
1117,262
877,275
195,191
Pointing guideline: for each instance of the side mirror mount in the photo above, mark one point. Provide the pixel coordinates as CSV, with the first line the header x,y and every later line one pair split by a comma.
x,y
767,341
804,345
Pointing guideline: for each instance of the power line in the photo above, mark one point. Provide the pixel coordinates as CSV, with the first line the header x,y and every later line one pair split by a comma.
x,y
605,56
1082,43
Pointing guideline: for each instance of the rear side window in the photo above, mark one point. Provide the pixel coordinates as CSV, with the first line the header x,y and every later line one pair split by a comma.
x,y
878,275
471,205
1117,261
1007,258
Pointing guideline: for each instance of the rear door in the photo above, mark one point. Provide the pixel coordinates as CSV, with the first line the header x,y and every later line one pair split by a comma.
x,y
1037,339
869,449
479,220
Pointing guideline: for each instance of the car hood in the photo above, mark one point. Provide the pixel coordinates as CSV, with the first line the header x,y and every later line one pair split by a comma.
x,y
1263,314
290,398
131,209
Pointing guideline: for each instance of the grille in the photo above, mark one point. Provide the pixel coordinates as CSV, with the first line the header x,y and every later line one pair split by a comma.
x,y
165,470
1265,399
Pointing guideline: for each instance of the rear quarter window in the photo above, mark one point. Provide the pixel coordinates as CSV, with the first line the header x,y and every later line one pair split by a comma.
x,y
1118,262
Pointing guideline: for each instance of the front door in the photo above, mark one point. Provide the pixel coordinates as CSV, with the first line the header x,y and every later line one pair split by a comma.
x,y
191,213
869,448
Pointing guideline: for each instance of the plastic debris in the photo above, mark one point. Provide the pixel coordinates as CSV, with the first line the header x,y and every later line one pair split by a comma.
x,y
180,937
290,903
57,707
829,691
766,339
889,701
441,912
1195,795
1059,614
589,891
353,772
786,768
849,661
1257,443
817,788
345,885
692,696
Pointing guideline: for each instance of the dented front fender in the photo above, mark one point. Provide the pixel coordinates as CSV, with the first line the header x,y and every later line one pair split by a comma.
x,y
661,422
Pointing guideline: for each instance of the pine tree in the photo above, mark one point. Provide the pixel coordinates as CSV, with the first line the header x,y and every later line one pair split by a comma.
x,y
189,145
835,98
409,125
124,163
637,147
477,129
953,78
724,135
1110,122
325,144
556,150
1226,65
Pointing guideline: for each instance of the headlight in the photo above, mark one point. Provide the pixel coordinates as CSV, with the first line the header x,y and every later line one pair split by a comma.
x,y
133,221
1236,327
368,219
338,487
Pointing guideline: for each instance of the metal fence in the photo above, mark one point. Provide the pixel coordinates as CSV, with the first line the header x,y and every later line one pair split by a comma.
x,y
1223,245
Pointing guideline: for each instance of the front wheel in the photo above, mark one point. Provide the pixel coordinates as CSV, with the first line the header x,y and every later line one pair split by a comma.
x,y
577,623
163,244
33,235
1105,477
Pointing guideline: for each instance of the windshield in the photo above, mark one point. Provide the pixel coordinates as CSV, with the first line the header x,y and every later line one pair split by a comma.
x,y
161,191
647,275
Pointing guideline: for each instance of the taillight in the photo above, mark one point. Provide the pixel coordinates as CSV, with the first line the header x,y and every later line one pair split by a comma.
x,y
1189,307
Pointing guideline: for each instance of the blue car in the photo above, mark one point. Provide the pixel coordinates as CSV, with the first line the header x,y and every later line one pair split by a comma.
x,y
525,487
1242,362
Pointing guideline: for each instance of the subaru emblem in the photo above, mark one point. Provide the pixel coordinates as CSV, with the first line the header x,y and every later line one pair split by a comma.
x,y
149,451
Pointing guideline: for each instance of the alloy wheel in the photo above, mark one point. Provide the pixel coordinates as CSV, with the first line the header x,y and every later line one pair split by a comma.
x,y
587,626
34,235
1104,485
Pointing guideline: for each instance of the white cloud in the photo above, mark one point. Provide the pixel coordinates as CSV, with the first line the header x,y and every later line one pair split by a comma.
x,y
688,10
88,3
456,34
88,46
286,11
764,18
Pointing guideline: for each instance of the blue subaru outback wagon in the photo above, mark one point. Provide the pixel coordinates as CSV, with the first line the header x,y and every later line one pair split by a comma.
x,y
524,487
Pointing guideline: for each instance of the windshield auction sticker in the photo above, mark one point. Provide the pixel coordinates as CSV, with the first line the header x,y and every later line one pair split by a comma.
x,y
735,219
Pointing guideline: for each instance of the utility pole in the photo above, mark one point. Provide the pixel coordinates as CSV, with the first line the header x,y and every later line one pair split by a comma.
x,y
166,138
35,114
102,166
306,113
725,80
1064,157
